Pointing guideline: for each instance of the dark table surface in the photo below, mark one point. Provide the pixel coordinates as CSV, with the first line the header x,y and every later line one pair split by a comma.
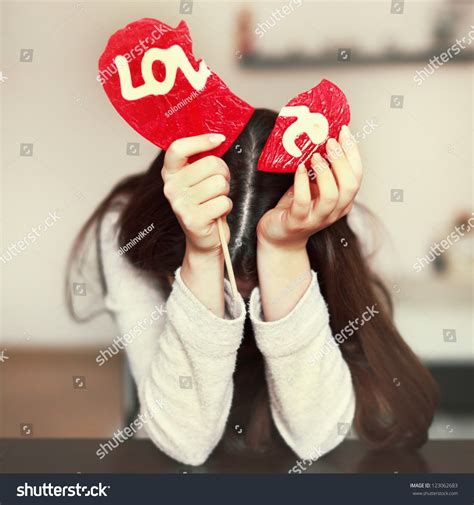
x,y
141,456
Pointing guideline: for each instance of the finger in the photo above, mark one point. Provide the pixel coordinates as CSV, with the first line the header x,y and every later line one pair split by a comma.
x,y
215,208
335,153
345,210
345,178
349,146
301,203
328,192
180,150
200,170
313,174
287,198
208,188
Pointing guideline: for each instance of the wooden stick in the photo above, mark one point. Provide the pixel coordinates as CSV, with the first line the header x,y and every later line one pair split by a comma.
x,y
228,262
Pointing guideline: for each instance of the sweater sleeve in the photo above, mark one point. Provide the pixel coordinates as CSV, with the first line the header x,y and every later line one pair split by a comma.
x,y
182,356
312,399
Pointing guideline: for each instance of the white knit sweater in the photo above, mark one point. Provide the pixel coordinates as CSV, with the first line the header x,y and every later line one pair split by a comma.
x,y
183,357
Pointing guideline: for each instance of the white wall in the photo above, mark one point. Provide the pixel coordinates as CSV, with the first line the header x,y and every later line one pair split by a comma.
x,y
79,140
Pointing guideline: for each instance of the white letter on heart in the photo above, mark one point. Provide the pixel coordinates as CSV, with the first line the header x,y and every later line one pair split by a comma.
x,y
173,58
314,124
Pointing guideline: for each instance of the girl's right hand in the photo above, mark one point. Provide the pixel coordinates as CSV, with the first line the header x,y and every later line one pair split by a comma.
x,y
197,192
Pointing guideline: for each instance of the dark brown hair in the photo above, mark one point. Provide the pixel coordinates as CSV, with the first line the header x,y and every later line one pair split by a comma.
x,y
378,357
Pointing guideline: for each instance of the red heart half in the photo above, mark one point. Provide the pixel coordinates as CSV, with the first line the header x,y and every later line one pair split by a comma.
x,y
303,127
156,84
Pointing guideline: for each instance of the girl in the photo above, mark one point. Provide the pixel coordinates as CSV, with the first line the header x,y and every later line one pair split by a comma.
x,y
315,351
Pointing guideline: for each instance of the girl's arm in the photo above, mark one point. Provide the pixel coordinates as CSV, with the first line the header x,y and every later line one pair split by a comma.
x,y
181,354
197,193
183,363
312,400
310,387
318,198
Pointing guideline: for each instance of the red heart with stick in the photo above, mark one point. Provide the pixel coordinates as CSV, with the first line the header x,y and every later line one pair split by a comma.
x,y
156,84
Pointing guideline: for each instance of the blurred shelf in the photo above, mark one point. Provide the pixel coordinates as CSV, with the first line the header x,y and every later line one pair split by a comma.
x,y
261,61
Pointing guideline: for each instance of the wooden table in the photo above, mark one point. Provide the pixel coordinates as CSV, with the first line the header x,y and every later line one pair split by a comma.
x,y
24,455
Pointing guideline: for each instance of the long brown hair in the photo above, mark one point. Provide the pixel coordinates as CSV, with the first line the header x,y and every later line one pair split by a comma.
x,y
395,394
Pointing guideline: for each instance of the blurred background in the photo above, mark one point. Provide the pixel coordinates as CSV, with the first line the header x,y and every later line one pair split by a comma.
x,y
64,147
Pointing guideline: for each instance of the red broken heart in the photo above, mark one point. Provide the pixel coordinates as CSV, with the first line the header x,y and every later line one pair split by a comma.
x,y
303,127
163,91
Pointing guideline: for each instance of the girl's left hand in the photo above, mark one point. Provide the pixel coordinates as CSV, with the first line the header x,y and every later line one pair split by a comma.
x,y
318,198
